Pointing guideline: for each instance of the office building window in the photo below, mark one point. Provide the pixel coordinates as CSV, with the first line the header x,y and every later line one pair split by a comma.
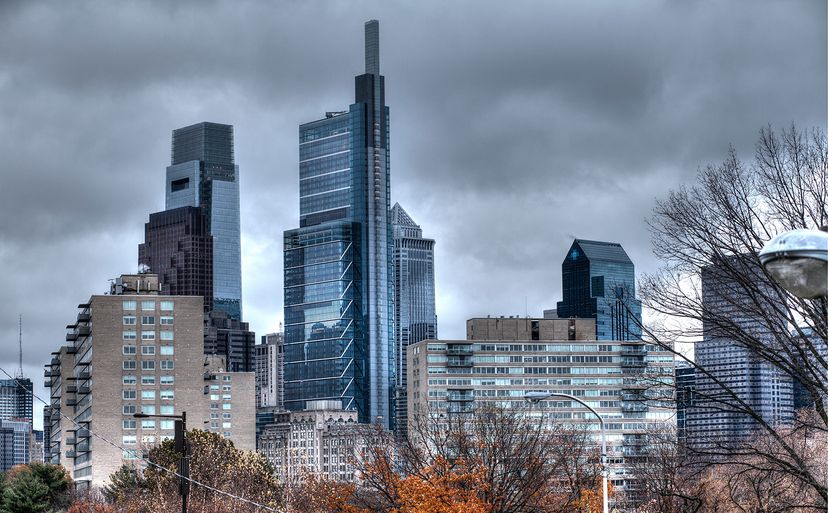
x,y
129,335
167,364
148,365
128,394
147,395
130,380
167,409
167,394
129,365
167,380
167,424
147,335
129,305
147,380
147,424
166,321
148,350
129,424
148,409
147,305
166,335
147,320
129,439
129,350
129,409
167,306
129,320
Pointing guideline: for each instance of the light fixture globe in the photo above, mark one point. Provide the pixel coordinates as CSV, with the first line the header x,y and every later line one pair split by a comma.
x,y
798,261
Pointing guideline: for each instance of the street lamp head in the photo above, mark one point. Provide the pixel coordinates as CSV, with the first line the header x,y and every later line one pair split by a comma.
x,y
140,415
536,397
798,261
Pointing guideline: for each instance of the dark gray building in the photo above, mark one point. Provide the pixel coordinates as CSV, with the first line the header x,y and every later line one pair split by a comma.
x,y
178,248
15,443
598,282
228,337
415,315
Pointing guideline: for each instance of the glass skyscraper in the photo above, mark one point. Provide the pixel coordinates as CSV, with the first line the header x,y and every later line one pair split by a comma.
x,y
204,174
598,282
338,288
415,316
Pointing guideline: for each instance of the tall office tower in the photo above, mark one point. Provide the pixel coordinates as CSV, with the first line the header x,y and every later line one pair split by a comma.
x,y
685,390
178,248
270,360
16,399
150,348
203,174
338,286
415,316
731,315
15,443
599,283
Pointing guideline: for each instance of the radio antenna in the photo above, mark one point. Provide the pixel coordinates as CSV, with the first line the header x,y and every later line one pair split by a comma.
x,y
20,347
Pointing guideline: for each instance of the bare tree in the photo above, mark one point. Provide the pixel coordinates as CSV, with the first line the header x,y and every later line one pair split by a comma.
x,y
712,232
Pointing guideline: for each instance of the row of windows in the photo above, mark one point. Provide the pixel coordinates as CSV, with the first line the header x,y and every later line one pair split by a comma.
x,y
148,409
149,350
148,380
131,304
148,335
148,365
147,395
147,320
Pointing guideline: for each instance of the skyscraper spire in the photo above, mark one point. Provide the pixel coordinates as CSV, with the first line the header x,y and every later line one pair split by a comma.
x,y
19,374
372,57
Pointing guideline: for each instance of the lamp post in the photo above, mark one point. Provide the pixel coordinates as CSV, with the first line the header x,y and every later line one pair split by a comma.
x,y
536,397
181,448
798,261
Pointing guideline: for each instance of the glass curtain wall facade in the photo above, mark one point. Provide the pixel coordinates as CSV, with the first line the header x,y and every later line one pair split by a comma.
x,y
16,399
415,316
203,174
338,330
598,282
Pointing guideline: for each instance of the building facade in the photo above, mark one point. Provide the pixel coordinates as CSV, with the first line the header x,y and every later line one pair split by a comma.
x,y
232,339
685,391
178,248
598,282
204,174
16,399
415,313
715,418
15,443
323,440
270,360
138,352
628,382
337,264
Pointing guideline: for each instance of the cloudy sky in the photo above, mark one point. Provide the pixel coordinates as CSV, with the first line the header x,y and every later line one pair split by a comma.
x,y
515,126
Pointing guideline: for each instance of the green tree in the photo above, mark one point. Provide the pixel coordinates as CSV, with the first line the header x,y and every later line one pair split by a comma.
x,y
124,482
35,488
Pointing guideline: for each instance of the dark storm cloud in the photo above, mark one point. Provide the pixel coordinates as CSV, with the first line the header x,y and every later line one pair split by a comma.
x,y
513,129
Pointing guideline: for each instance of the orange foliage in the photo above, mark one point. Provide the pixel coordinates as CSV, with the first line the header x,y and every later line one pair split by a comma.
x,y
443,488
591,500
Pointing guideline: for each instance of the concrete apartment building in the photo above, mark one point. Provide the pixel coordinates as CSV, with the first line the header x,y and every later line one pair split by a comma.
x,y
502,359
135,351
270,360
324,440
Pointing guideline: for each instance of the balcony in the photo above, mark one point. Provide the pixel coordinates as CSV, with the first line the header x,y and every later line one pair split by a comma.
x,y
51,374
48,383
459,362
460,397
84,330
71,402
71,350
460,350
83,390
82,433
70,454
71,389
71,337
84,317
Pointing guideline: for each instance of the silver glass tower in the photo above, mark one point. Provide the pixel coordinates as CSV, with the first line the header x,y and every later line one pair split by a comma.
x,y
338,330
415,316
204,174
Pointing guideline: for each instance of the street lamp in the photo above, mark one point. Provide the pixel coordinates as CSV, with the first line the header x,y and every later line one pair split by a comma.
x,y
798,261
180,444
536,397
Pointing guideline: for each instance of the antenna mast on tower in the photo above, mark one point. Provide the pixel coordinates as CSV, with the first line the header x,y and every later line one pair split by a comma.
x,y
20,347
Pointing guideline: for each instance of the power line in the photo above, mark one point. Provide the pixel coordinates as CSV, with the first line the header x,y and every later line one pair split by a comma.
x,y
146,460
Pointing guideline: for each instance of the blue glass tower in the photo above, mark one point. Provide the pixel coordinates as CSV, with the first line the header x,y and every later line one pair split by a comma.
x,y
338,331
203,174
598,282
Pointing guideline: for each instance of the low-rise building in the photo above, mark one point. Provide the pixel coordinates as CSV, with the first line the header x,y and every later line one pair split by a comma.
x,y
323,440
627,382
